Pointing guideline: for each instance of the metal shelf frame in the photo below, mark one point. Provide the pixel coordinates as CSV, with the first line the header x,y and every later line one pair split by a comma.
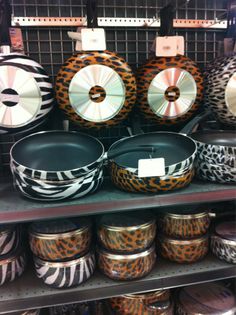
x,y
29,292
15,208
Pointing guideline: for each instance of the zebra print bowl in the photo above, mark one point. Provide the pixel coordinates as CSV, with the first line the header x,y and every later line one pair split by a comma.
x,y
65,274
76,190
8,238
12,265
223,242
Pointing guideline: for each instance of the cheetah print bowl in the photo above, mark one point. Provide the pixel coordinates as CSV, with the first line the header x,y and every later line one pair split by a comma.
x,y
138,304
184,251
60,240
126,267
223,242
126,233
185,225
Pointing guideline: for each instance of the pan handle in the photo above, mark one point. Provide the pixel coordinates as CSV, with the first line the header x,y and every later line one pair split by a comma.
x,y
194,122
142,148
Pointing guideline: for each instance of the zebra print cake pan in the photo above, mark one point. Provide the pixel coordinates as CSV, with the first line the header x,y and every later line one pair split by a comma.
x,y
12,265
58,240
8,238
67,274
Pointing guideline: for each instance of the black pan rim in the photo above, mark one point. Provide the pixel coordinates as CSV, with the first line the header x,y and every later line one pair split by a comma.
x,y
56,131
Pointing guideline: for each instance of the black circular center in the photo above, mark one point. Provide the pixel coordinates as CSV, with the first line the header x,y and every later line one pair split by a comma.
x,y
97,94
9,97
172,93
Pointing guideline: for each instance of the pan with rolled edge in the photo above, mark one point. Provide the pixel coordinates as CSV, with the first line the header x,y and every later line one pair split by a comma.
x,y
61,155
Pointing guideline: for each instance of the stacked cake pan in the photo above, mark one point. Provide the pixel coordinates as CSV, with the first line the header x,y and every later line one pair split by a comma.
x,y
184,236
12,257
62,254
127,249
53,165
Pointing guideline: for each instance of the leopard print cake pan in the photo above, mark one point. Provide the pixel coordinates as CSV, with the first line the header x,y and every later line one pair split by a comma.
x,y
184,251
60,240
126,233
126,267
140,304
184,226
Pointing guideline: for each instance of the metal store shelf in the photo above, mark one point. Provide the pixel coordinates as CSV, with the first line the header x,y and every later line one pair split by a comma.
x,y
14,208
30,292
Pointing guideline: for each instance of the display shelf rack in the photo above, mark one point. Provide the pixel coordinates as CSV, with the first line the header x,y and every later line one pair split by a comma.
x,y
15,208
29,292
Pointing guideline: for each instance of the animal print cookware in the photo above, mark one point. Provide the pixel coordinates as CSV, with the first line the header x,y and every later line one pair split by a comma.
x,y
183,251
65,274
96,89
185,225
26,92
126,266
8,238
169,89
207,298
126,233
126,180
59,240
220,80
142,303
12,265
223,241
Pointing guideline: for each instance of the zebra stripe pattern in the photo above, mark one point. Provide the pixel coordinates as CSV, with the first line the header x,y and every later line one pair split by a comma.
x,y
42,82
59,192
68,274
7,241
56,176
10,269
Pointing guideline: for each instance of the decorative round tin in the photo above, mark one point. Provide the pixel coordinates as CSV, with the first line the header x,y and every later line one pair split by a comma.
x,y
169,89
96,89
126,233
8,238
140,304
59,240
184,251
223,242
185,226
12,265
206,299
65,274
126,266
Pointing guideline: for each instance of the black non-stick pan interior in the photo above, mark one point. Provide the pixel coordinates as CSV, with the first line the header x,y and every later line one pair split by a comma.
x,y
173,147
57,151
216,137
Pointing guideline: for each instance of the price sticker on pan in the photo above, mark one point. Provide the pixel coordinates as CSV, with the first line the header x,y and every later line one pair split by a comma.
x,y
151,167
93,39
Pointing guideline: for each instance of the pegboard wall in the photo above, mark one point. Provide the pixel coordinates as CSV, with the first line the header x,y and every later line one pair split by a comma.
x,y
51,46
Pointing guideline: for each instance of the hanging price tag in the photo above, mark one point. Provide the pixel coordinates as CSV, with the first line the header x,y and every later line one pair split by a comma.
x,y
93,39
151,167
169,46
17,44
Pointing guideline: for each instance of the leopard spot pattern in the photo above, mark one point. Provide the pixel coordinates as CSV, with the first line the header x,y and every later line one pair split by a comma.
x,y
126,269
127,181
184,253
82,59
147,72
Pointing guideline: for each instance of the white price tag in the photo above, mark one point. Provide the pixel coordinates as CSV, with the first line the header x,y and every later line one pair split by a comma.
x,y
166,46
93,39
180,45
76,36
151,167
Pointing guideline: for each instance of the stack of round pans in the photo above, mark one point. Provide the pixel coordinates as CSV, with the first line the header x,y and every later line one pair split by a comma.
x,y
56,165
26,93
